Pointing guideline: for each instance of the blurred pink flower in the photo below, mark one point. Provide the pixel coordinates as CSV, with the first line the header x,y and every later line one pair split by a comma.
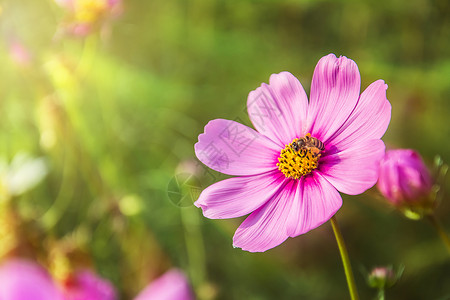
x,y
173,285
25,280
85,285
404,178
86,15
19,54
301,155
111,6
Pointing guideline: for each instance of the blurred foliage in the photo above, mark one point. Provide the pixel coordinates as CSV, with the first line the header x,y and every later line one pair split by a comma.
x,y
115,114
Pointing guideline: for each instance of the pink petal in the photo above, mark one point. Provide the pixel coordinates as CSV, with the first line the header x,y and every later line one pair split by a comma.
x,y
355,169
172,285
278,110
89,286
412,183
315,202
389,180
369,120
334,92
238,196
235,149
265,228
21,279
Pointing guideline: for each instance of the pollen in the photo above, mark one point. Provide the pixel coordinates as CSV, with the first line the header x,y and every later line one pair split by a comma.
x,y
295,162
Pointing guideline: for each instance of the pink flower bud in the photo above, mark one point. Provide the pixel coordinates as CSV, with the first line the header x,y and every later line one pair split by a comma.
x,y
383,277
404,179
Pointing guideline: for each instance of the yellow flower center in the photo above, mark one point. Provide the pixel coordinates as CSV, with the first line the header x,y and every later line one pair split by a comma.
x,y
300,157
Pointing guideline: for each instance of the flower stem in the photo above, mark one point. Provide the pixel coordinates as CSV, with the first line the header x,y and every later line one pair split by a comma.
x,y
345,260
381,294
440,229
194,245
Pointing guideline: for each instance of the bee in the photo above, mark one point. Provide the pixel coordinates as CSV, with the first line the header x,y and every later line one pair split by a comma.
x,y
309,143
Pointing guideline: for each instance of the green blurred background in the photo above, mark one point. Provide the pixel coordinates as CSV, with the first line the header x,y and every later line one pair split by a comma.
x,y
115,115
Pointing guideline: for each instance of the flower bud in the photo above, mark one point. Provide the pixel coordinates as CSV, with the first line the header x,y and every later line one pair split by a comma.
x,y
384,277
405,181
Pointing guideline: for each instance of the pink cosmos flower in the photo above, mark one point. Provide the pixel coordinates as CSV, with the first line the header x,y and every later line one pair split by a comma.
x,y
25,280
173,285
85,285
404,178
302,153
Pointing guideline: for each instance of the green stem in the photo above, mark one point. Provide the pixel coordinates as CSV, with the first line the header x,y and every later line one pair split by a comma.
x,y
381,294
345,260
440,229
194,245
